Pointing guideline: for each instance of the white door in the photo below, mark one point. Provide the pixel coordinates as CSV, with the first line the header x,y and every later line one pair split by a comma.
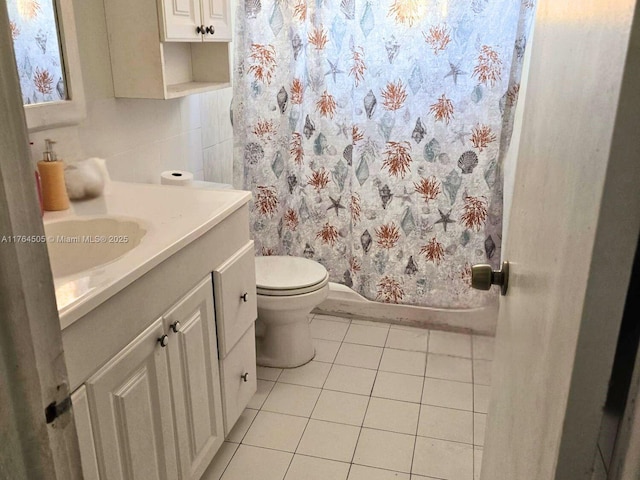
x,y
217,14
182,20
571,237
130,399
195,379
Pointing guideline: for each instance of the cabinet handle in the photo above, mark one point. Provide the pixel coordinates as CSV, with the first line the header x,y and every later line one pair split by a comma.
x,y
175,326
245,376
200,29
244,297
164,340
211,29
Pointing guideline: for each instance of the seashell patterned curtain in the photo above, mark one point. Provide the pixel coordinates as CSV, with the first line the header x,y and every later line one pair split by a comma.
x,y
371,133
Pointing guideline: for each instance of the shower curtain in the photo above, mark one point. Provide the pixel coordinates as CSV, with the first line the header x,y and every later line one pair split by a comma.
x,y
371,133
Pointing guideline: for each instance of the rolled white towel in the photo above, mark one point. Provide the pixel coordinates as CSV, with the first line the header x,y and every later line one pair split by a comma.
x,y
86,179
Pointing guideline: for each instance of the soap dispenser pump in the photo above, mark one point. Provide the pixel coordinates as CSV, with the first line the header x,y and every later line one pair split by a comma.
x,y
54,191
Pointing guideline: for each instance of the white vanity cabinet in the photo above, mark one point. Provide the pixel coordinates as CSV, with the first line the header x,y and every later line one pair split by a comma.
x,y
162,369
196,20
162,390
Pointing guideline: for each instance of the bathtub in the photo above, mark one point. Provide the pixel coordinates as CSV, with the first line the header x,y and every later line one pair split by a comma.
x,y
344,302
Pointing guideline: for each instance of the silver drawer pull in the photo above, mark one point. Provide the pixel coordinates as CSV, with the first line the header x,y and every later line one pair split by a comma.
x,y
175,326
244,297
163,340
245,376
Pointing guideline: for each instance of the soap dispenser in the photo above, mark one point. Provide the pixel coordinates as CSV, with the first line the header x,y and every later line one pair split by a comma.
x,y
54,192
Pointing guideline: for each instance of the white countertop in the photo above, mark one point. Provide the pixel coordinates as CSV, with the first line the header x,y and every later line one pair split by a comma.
x,y
173,218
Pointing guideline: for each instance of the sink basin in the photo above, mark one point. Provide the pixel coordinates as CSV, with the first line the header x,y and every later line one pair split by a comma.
x,y
78,245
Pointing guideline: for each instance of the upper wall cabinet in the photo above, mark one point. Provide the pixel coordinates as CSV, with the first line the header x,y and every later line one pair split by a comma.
x,y
168,48
196,20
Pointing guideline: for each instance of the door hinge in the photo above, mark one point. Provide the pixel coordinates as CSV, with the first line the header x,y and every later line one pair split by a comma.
x,y
55,409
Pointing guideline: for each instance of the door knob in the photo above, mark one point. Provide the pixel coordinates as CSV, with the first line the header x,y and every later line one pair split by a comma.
x,y
210,29
482,277
244,297
245,376
175,326
200,29
163,340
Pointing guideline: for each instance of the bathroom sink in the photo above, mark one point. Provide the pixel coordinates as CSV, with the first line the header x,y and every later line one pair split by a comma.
x,y
78,245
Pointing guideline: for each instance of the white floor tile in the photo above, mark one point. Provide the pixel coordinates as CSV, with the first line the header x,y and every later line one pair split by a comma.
x,y
276,431
367,335
328,329
292,399
371,323
449,368
448,343
333,318
360,472
442,459
268,373
341,407
388,450
326,350
397,386
312,468
445,393
263,390
477,463
483,347
446,424
392,415
333,441
482,372
312,374
350,379
481,398
253,462
479,428
415,339
363,356
219,463
242,425
401,361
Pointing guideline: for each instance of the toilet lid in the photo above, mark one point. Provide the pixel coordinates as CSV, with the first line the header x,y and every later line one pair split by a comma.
x,y
288,273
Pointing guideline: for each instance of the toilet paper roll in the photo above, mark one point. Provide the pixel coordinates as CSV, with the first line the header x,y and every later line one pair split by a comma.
x,y
176,177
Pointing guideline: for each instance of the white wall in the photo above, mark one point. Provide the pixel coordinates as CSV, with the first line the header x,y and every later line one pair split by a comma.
x,y
511,159
140,138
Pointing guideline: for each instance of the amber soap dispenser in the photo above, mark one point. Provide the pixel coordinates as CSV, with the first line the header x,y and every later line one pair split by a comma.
x,y
54,191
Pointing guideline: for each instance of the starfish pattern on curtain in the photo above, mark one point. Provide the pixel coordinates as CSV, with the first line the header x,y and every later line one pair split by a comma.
x,y
371,134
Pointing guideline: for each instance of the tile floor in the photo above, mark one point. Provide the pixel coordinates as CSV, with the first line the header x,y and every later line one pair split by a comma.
x,y
378,402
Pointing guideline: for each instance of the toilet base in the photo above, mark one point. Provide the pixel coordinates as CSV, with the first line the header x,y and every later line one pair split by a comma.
x,y
286,345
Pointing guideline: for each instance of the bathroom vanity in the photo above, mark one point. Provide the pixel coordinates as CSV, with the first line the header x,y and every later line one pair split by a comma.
x,y
160,343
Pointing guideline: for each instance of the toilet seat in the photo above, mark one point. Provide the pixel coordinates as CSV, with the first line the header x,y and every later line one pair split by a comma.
x,y
287,276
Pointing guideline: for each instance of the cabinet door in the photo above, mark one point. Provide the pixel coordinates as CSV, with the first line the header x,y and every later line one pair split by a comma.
x,y
195,379
180,20
217,14
133,418
82,417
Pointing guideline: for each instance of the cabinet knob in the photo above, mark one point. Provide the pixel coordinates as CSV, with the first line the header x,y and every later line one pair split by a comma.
x,y
163,340
201,29
244,297
175,326
245,376
211,29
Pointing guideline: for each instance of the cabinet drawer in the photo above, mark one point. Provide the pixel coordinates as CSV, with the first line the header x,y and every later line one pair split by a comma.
x,y
234,284
236,392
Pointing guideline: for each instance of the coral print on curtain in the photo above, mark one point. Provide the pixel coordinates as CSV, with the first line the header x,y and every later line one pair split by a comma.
x,y
37,50
371,134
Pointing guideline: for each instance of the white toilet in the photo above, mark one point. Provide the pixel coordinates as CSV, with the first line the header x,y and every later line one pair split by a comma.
x,y
288,288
